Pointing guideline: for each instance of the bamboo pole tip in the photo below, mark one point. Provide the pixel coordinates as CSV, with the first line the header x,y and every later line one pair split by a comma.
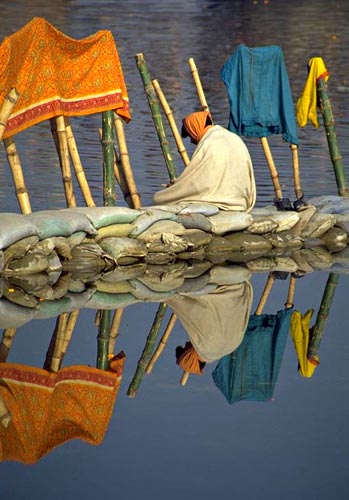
x,y
184,378
131,393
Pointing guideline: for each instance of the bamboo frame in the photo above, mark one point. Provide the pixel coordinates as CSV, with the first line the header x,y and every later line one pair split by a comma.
x,y
135,199
17,175
109,194
6,109
78,168
296,175
169,115
60,138
60,340
272,168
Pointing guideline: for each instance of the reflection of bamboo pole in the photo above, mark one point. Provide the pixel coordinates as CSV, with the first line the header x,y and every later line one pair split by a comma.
x,y
114,329
125,162
60,138
156,114
197,81
184,378
265,294
6,343
336,157
162,343
321,319
169,114
147,351
6,109
78,168
61,337
290,295
17,174
103,339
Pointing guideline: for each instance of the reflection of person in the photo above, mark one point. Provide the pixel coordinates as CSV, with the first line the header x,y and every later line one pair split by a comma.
x,y
215,323
220,171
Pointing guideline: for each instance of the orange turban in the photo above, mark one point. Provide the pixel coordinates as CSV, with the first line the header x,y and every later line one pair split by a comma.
x,y
195,124
189,360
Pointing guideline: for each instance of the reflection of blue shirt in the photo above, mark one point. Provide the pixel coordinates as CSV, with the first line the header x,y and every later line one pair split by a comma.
x,y
259,93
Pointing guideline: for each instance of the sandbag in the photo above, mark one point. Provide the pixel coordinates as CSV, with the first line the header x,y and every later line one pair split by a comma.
x,y
195,221
102,300
147,218
105,216
63,222
144,293
227,221
125,273
123,247
330,204
262,225
114,230
14,227
318,225
198,208
155,230
13,315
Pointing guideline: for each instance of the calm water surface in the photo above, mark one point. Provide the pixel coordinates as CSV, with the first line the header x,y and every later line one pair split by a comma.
x,y
169,441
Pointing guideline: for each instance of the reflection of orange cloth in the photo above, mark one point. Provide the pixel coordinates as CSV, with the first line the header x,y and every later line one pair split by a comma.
x,y
190,361
307,103
48,409
57,75
195,124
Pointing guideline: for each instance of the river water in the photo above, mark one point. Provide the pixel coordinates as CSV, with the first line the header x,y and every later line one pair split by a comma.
x,y
188,442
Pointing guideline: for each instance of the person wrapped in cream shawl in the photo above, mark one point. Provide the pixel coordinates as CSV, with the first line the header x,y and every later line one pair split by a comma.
x,y
220,171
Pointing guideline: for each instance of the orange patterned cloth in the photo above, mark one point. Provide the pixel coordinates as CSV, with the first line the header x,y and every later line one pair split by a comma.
x,y
57,75
49,409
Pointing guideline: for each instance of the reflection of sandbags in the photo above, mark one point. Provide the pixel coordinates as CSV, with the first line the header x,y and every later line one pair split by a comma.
x,y
192,285
14,316
142,292
101,300
147,218
63,222
166,243
342,221
318,257
15,227
195,269
195,238
53,308
318,225
229,275
125,273
33,262
227,221
113,287
161,280
88,256
123,247
105,216
302,264
20,297
335,238
284,239
246,241
18,249
33,283
79,299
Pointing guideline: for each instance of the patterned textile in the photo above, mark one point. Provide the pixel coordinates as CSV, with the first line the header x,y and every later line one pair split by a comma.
x,y
57,75
49,409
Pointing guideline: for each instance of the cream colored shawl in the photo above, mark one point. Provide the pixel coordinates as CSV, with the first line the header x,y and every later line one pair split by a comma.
x,y
220,172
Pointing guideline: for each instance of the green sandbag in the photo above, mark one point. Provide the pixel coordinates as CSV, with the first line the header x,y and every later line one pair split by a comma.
x,y
102,300
225,222
53,308
60,223
195,221
147,218
13,315
155,230
105,216
15,227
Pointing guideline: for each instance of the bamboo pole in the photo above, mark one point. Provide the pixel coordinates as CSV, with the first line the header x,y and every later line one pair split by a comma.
x,y
50,363
60,138
17,175
162,344
296,175
118,173
6,343
147,351
103,339
78,168
197,81
135,200
318,329
5,417
6,109
109,195
156,114
169,114
272,168
336,157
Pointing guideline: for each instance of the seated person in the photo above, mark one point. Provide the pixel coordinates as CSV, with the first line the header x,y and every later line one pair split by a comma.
x,y
220,171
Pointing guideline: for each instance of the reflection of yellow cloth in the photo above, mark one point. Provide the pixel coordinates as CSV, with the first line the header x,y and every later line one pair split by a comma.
x,y
48,409
57,75
306,105
300,336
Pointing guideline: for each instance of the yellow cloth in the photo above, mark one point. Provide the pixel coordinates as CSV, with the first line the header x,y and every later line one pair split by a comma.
x,y
307,103
57,75
190,361
48,409
195,124
300,335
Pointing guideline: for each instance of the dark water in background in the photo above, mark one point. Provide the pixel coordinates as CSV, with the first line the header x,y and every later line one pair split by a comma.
x,y
174,442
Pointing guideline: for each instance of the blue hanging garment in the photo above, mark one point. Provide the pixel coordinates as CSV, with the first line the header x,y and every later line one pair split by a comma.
x,y
259,93
251,371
